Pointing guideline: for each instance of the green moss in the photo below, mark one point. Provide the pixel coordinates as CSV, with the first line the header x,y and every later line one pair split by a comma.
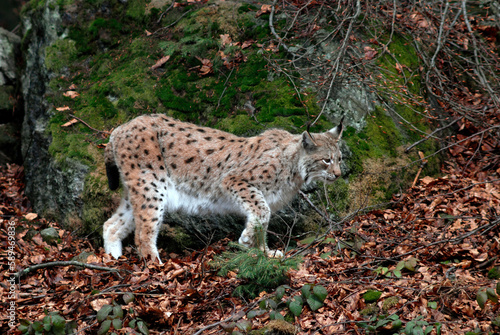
x,y
382,134
246,8
389,303
371,296
338,193
379,139
136,10
60,54
370,309
405,92
100,23
494,273
389,129
68,143
240,125
175,239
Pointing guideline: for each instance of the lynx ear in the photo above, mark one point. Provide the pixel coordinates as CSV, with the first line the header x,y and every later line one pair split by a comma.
x,y
337,131
308,142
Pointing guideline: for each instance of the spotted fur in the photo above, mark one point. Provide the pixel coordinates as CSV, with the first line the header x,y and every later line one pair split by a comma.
x,y
168,165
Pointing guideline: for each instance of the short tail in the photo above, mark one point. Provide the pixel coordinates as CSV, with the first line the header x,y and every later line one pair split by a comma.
x,y
111,168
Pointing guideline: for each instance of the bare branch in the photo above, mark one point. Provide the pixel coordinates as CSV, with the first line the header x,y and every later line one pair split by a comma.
x,y
63,263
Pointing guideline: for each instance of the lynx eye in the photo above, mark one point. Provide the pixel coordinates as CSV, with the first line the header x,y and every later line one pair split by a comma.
x,y
327,161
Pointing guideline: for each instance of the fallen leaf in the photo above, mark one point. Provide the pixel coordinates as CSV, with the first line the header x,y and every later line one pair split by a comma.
x,y
206,67
98,303
263,10
160,62
225,39
427,180
31,216
62,109
71,94
370,53
70,122
399,68
246,44
37,259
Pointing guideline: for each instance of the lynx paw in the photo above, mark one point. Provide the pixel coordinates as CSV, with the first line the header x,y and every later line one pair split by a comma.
x,y
274,253
113,248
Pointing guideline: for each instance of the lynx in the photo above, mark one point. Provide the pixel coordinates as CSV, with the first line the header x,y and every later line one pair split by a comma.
x,y
168,165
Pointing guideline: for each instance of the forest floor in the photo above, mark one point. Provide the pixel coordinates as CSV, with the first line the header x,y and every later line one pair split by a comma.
x,y
425,262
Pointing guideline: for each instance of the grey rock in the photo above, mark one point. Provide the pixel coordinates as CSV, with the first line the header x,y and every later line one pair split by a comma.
x,y
50,235
54,188
9,44
9,76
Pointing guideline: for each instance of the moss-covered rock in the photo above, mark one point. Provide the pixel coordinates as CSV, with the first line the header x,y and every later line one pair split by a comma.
x,y
217,74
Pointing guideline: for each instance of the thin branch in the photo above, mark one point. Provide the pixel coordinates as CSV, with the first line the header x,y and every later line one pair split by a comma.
x,y
173,23
165,12
236,316
90,127
432,134
225,88
273,31
63,263
477,69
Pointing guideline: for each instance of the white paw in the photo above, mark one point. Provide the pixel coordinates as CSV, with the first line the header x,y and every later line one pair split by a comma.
x,y
113,248
274,253
245,241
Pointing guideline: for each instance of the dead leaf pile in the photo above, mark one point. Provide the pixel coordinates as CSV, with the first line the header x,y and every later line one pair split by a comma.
x,y
445,230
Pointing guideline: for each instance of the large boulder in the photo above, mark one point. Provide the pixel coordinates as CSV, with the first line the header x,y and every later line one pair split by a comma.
x,y
54,187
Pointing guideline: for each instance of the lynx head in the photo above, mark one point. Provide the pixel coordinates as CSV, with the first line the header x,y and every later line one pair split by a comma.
x,y
321,155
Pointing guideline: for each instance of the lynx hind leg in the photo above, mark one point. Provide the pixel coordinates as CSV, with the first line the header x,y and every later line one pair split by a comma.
x,y
148,216
117,227
147,196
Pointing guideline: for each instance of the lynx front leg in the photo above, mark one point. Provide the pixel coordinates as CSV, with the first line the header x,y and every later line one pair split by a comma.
x,y
258,213
118,227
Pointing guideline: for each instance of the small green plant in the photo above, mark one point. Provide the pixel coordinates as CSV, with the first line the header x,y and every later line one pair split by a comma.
x,y
260,272
310,295
51,324
111,317
409,264
420,327
486,294
313,295
393,324
494,273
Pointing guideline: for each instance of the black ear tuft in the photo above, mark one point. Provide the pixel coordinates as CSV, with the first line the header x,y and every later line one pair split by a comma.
x,y
337,131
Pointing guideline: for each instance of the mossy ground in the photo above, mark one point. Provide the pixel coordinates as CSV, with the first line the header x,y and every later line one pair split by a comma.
x,y
107,58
